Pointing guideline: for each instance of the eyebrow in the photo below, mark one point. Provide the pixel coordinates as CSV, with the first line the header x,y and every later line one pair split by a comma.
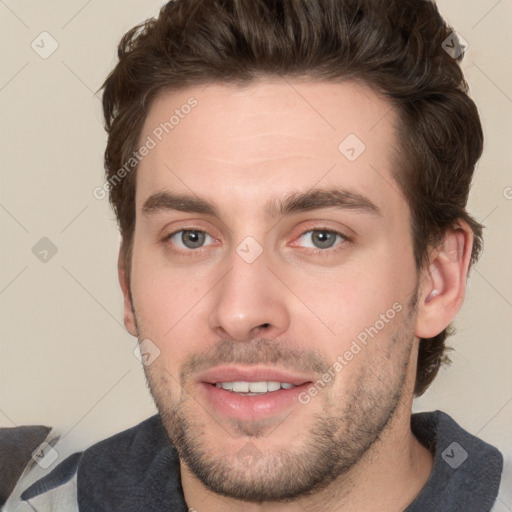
x,y
294,202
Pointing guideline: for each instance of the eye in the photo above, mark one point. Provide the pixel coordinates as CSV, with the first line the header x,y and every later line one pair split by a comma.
x,y
188,238
323,238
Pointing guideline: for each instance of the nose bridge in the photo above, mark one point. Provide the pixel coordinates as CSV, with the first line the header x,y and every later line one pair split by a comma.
x,y
249,268
249,296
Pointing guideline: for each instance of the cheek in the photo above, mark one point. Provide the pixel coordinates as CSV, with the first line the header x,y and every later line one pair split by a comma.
x,y
164,316
364,313
161,295
161,303
171,303
354,298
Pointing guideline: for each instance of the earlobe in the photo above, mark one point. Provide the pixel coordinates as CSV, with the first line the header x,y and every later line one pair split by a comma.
x,y
443,282
129,315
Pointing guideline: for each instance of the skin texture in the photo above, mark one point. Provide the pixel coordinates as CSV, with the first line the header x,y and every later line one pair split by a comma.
x,y
299,305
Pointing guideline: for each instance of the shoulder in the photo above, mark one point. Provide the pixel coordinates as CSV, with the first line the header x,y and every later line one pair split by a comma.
x,y
107,468
467,471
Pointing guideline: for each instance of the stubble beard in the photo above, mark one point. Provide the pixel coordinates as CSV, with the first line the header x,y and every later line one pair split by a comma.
x,y
336,440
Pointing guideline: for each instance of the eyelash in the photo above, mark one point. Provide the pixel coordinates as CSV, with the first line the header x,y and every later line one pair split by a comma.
x,y
315,252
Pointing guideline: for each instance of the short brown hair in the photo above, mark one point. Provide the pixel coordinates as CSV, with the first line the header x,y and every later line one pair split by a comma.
x,y
395,46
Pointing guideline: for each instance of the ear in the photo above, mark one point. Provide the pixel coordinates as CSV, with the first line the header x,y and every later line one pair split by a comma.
x,y
124,281
443,282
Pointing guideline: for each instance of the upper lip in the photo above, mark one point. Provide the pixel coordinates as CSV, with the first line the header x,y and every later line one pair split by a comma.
x,y
252,374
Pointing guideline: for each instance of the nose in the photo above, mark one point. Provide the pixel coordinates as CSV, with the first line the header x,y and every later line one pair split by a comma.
x,y
250,301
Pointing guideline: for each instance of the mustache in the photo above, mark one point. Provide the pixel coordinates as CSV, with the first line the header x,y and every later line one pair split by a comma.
x,y
258,351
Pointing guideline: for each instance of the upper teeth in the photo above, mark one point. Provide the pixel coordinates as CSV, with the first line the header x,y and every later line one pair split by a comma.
x,y
253,387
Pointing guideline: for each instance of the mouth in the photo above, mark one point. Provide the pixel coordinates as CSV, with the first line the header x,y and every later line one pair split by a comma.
x,y
251,393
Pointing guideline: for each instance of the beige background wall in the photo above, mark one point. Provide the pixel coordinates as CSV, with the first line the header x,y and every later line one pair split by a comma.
x,y
65,358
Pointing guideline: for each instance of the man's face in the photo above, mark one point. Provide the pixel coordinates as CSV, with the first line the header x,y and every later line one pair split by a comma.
x,y
243,292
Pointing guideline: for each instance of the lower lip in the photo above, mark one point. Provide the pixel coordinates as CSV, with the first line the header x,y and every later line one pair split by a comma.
x,y
255,407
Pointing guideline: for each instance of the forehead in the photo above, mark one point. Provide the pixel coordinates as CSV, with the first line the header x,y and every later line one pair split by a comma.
x,y
234,144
